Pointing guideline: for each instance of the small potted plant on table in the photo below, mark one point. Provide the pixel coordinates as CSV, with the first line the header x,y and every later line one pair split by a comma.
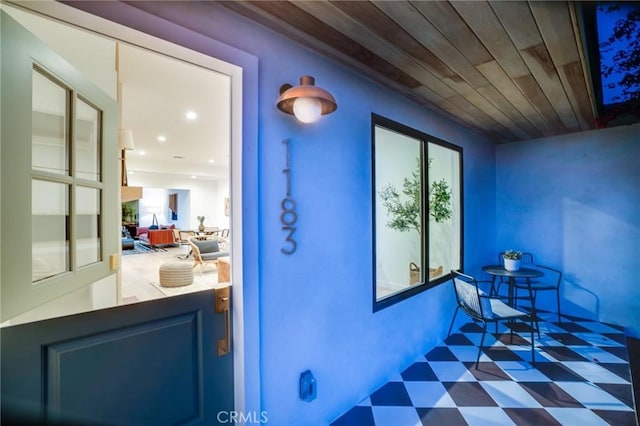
x,y
512,260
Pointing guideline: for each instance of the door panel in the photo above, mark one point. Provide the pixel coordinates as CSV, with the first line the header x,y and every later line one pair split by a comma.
x,y
152,363
59,212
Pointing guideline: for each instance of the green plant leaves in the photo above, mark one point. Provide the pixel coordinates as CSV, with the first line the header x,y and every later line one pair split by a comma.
x,y
404,212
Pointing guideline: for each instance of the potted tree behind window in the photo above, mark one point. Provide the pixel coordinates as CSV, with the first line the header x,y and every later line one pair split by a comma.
x,y
404,212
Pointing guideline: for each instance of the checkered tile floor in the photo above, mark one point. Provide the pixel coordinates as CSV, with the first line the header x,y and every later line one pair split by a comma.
x,y
581,377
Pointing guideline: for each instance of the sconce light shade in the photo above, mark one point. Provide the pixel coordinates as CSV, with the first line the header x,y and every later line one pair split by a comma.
x,y
125,139
306,102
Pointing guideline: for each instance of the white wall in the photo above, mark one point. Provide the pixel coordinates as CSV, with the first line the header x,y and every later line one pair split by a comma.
x,y
207,197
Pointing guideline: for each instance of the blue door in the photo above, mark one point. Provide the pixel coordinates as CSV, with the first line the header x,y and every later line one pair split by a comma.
x,y
161,362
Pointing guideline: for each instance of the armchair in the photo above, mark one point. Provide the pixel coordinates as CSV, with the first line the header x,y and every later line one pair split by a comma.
x,y
207,250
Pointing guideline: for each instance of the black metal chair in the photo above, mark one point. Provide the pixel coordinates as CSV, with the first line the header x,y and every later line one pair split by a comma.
x,y
549,282
484,309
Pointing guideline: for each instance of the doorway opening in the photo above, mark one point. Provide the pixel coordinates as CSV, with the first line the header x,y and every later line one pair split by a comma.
x,y
183,149
113,33
179,116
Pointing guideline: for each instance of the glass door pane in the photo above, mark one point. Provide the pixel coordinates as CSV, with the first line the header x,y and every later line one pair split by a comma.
x,y
87,141
87,226
49,125
49,229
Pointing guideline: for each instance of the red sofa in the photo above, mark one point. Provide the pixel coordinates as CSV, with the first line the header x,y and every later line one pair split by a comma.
x,y
156,237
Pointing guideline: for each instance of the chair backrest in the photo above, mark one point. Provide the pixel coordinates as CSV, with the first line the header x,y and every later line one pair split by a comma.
x,y
469,297
195,249
208,245
201,246
552,276
185,235
211,230
224,244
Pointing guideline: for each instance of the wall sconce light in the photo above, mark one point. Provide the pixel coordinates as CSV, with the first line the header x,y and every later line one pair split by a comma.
x,y
125,142
306,102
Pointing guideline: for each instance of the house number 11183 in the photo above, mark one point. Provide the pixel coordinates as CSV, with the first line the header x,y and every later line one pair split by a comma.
x,y
288,217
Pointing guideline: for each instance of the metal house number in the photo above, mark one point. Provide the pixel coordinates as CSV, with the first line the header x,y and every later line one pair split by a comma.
x,y
288,217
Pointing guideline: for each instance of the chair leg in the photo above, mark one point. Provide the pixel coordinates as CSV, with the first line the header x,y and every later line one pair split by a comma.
x,y
558,303
484,332
494,291
533,352
511,322
534,314
453,320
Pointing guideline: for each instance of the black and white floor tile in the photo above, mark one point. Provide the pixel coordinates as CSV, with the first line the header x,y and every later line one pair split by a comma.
x,y
581,376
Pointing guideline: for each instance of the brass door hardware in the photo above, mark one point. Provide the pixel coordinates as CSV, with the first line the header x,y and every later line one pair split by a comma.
x,y
223,305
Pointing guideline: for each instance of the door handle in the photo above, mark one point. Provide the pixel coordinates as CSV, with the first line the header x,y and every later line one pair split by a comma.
x,y
222,304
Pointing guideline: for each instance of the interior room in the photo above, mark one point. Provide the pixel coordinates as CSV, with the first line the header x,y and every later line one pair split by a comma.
x,y
377,233
176,169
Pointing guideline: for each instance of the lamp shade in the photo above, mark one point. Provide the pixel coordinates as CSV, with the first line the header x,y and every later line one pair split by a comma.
x,y
125,139
306,101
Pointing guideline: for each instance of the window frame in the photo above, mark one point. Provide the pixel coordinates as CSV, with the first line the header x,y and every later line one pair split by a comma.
x,y
425,139
71,180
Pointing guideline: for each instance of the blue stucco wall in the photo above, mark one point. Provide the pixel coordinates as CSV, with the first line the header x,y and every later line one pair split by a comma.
x,y
314,306
574,201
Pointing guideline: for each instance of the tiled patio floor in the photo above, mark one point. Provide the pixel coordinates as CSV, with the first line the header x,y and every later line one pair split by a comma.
x,y
581,377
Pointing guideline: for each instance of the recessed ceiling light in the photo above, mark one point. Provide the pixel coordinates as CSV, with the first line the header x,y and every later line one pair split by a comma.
x,y
191,115
162,138
193,176
211,161
143,152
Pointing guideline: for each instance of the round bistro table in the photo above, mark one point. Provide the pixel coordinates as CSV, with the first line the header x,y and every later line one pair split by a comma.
x,y
499,271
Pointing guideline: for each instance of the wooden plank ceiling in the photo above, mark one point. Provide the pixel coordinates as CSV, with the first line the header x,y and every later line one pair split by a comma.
x,y
511,70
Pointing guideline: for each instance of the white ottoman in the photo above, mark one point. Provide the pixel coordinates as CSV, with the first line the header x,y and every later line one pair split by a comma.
x,y
176,274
